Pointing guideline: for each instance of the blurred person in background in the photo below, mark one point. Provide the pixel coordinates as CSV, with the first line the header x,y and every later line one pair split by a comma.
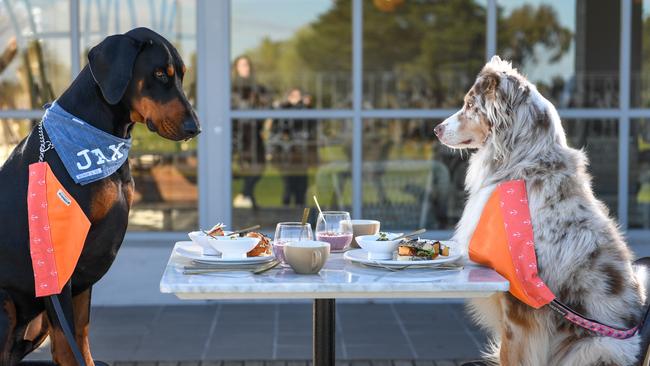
x,y
293,146
248,139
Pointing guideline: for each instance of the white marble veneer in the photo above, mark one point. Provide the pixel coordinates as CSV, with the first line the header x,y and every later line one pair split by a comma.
x,y
338,279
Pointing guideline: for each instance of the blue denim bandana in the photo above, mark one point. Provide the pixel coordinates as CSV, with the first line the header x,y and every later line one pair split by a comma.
x,y
88,153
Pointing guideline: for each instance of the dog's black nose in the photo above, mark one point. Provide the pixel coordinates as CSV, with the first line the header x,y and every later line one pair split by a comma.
x,y
439,130
191,127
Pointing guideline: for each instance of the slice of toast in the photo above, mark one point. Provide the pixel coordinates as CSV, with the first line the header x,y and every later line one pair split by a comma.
x,y
422,249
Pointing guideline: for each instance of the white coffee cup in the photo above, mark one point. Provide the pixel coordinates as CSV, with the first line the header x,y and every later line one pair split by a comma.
x,y
306,257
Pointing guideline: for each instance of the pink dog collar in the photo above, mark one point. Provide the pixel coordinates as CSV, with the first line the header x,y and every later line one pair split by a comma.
x,y
590,324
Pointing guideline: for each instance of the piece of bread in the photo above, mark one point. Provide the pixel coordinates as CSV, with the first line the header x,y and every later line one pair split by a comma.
x,y
263,248
422,249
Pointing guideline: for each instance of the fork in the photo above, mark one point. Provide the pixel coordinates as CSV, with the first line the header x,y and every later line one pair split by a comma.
x,y
195,270
442,267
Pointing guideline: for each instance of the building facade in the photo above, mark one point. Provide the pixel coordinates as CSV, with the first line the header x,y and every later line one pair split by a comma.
x,y
338,98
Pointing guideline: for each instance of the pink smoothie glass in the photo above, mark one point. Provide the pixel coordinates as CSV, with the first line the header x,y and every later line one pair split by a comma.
x,y
287,232
335,228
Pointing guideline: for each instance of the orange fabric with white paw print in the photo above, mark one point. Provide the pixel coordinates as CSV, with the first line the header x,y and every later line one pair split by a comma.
x,y
57,230
504,241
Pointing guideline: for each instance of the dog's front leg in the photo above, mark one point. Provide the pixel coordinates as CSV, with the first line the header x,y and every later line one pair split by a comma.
x,y
81,308
7,328
523,341
77,313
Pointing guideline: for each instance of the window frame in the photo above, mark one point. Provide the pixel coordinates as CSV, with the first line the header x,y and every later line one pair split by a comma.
x,y
216,114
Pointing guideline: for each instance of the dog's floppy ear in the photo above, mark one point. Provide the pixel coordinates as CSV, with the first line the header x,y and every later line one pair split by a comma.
x,y
111,64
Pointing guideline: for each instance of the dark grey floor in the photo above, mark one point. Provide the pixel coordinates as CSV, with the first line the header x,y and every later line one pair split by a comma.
x,y
229,331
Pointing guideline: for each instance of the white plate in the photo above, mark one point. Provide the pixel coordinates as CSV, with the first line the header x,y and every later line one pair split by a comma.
x,y
361,256
193,251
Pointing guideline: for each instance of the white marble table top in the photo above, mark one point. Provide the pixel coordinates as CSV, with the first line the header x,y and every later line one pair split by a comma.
x,y
338,279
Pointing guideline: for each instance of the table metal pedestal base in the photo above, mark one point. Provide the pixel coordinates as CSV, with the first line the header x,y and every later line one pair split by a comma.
x,y
324,328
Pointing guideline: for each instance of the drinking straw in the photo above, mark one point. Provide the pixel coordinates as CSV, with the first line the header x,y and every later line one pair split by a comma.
x,y
319,210
305,215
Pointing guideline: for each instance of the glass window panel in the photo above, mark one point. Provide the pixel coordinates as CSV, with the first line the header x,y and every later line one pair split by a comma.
x,y
34,52
166,190
165,172
173,19
421,54
12,132
278,164
639,191
640,60
599,138
569,48
411,180
284,44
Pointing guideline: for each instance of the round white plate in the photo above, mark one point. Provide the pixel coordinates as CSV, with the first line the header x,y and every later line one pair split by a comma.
x,y
193,251
361,256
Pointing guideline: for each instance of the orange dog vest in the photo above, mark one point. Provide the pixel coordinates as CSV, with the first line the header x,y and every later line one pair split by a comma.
x,y
57,230
504,241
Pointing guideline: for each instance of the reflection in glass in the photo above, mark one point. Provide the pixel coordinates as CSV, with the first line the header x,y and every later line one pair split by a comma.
x,y
410,180
640,60
165,172
280,45
166,190
421,54
34,52
278,163
639,191
12,131
568,48
599,139
173,19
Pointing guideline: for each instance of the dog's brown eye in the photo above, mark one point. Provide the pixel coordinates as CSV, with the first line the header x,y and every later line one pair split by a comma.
x,y
160,75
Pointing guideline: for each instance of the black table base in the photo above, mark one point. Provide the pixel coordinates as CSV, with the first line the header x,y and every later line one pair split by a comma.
x,y
324,328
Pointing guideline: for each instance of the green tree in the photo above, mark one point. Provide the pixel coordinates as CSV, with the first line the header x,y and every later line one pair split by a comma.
x,y
429,51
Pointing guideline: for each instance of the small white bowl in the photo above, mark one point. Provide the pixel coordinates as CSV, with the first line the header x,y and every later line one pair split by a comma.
x,y
203,240
379,249
233,248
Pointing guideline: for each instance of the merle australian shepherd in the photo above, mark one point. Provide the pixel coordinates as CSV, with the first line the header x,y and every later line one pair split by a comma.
x,y
581,254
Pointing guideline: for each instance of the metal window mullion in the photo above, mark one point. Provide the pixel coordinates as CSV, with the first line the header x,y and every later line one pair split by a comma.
x,y
639,113
21,114
75,51
624,119
599,113
292,114
491,30
215,143
357,104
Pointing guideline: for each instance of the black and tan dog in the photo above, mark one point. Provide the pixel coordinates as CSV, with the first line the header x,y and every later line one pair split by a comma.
x,y
134,77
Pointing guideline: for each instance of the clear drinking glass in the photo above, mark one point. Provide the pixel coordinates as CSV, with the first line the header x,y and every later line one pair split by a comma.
x,y
287,232
334,227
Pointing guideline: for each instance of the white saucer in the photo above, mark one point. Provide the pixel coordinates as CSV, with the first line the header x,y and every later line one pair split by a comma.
x,y
361,256
193,251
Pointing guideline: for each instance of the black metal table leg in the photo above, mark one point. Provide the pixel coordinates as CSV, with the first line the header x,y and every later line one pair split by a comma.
x,y
324,327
